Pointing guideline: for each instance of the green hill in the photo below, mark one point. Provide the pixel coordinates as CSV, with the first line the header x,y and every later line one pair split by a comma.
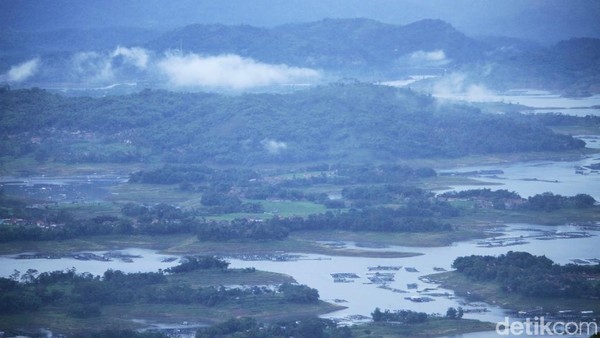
x,y
343,121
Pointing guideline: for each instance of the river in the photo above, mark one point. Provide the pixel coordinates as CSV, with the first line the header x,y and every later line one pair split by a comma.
x,y
359,295
538,101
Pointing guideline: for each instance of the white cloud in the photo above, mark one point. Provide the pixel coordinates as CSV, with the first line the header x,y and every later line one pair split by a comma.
x,y
436,55
22,71
434,58
135,55
92,66
458,86
229,71
273,146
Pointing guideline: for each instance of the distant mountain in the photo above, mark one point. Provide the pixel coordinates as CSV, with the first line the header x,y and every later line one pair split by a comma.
x,y
330,43
545,21
73,40
361,48
571,67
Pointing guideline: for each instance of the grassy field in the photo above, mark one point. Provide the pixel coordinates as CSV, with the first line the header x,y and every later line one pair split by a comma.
x,y
230,277
492,293
431,328
153,194
273,208
420,239
183,244
445,182
266,308
139,315
472,215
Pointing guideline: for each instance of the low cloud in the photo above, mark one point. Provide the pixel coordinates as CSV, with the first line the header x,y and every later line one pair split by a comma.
x,y
92,67
22,71
136,56
431,58
229,71
103,67
273,146
132,64
458,86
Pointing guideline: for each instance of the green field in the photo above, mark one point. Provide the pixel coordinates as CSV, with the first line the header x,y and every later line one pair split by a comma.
x,y
434,327
186,244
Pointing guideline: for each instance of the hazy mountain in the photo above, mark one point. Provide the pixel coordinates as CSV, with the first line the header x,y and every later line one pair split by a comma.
x,y
243,56
330,43
542,20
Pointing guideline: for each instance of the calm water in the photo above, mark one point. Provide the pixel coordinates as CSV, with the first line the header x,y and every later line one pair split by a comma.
x,y
363,298
540,101
88,188
149,261
359,297
536,177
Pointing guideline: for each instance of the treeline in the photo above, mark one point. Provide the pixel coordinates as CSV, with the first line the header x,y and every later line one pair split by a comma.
x,y
202,178
404,219
550,202
415,215
404,316
485,193
223,190
249,328
559,119
83,295
59,224
342,121
540,202
528,275
199,263
195,174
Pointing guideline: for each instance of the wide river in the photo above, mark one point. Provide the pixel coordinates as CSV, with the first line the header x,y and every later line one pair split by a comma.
x,y
538,100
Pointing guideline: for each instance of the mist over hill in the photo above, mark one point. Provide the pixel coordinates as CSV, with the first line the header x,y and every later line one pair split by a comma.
x,y
545,21
243,57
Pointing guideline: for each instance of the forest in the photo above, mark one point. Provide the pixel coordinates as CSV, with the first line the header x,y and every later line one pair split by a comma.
x,y
83,295
525,274
369,207
345,121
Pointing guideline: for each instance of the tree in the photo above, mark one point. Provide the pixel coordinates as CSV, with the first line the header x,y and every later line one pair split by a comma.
x,y
377,315
451,313
460,312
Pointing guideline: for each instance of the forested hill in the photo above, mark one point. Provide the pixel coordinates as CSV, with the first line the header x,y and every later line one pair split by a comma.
x,y
332,48
343,121
329,43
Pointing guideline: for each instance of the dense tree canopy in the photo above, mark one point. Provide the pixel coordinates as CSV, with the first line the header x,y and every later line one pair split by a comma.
x,y
341,121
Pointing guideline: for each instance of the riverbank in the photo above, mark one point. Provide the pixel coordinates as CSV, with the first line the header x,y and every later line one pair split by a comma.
x,y
28,166
186,244
435,327
149,308
493,293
